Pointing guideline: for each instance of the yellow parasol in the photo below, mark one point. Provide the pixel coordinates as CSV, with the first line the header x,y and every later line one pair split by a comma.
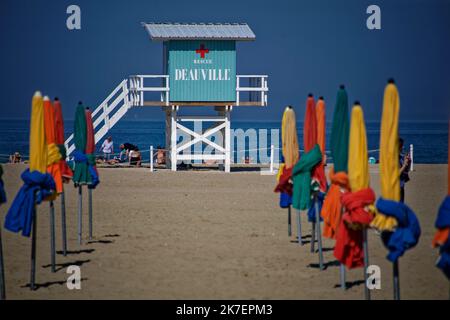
x,y
389,155
289,138
38,147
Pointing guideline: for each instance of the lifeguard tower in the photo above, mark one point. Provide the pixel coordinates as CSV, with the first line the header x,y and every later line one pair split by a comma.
x,y
199,70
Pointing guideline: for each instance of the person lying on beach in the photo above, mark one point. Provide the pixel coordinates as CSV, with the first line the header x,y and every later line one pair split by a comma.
x,y
15,158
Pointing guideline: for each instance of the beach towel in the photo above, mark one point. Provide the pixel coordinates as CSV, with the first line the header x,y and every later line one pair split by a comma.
x,y
301,176
349,238
53,155
441,238
37,187
332,207
407,232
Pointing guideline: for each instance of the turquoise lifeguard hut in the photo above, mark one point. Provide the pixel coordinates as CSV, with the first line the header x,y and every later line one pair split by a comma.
x,y
199,69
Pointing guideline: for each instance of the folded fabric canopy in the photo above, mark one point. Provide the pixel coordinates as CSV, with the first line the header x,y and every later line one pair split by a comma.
x,y
90,150
66,172
441,238
332,209
310,134
53,155
301,176
356,203
81,173
389,155
38,185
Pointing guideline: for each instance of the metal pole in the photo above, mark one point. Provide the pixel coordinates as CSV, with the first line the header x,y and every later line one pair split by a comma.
x,y
313,236
271,157
63,223
289,222
342,274
411,154
151,158
299,228
318,231
396,281
366,264
342,267
52,236
80,210
90,213
33,251
2,271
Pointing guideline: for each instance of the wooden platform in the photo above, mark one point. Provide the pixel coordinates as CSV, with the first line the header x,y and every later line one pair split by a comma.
x,y
203,104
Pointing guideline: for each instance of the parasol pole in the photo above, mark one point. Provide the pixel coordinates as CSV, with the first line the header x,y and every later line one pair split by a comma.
x,y
52,236
2,271
366,264
63,224
299,228
90,213
342,267
318,231
80,211
396,281
313,236
33,251
289,222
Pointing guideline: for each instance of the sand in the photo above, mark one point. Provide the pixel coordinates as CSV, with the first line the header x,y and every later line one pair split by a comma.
x,y
208,235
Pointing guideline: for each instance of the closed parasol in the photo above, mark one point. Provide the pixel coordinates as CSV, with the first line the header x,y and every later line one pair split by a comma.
x,y
81,174
90,154
332,209
66,172
290,152
38,185
442,237
399,226
351,240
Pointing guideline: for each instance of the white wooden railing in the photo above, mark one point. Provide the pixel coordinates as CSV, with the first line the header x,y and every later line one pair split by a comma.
x,y
137,88
263,88
107,114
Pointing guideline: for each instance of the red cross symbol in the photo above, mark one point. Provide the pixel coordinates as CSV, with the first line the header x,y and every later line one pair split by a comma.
x,y
202,51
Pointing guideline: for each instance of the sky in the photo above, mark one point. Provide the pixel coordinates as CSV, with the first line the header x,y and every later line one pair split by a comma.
x,y
303,46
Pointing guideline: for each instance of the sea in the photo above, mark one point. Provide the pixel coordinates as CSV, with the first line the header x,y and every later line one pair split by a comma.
x,y
429,139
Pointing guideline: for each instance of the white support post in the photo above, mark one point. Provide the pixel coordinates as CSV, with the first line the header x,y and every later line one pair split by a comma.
x,y
411,154
151,158
227,139
271,157
237,90
141,86
173,138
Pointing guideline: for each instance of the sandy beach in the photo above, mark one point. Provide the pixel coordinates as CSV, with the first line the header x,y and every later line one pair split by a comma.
x,y
208,235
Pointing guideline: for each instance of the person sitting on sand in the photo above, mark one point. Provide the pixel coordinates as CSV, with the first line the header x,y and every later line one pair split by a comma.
x,y
107,148
160,155
405,164
15,158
